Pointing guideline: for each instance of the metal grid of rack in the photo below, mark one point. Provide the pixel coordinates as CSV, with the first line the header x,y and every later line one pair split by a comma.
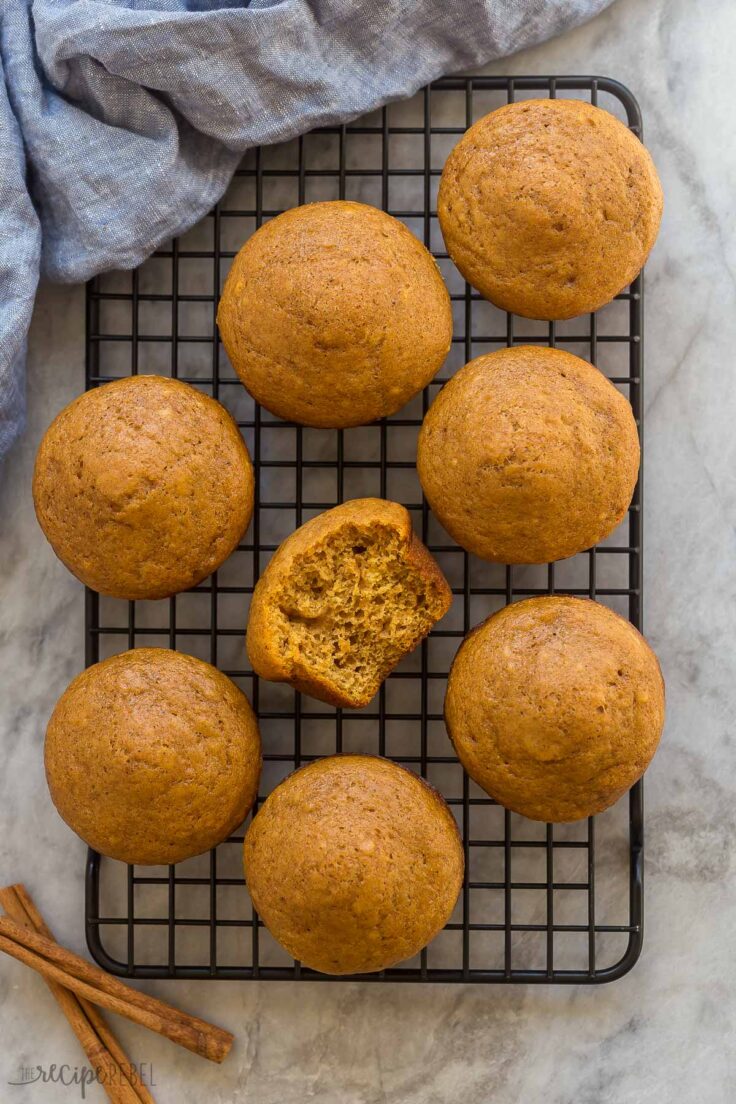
x,y
540,903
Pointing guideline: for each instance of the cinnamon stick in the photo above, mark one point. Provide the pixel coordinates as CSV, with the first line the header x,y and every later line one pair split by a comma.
x,y
104,1053
58,964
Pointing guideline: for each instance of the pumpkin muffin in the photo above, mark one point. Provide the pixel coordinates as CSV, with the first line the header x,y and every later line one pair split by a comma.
x,y
334,314
549,207
353,864
143,487
153,756
528,455
555,706
342,600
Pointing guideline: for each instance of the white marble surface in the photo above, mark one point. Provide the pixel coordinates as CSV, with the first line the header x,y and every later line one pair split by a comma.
x,y
665,1032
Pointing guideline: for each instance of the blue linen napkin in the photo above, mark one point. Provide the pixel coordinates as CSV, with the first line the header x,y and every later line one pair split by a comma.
x,y
122,121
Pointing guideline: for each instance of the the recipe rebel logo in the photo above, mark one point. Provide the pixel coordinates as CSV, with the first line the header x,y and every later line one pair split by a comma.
x,y
80,1077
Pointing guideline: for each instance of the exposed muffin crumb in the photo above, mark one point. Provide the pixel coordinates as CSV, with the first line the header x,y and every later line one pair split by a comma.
x,y
343,599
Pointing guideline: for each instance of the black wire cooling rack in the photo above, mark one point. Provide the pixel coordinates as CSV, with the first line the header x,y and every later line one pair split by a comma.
x,y
540,903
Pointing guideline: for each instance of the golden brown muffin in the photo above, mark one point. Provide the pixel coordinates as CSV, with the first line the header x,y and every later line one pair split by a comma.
x,y
152,756
528,455
353,864
143,487
334,314
342,600
555,706
549,207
